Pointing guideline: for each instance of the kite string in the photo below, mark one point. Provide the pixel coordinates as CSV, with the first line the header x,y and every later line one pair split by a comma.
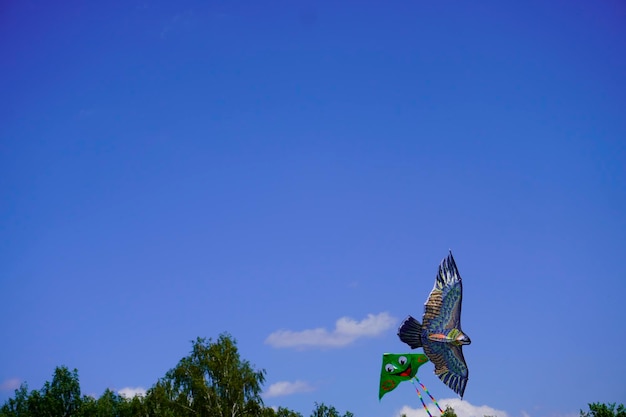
x,y
421,399
429,394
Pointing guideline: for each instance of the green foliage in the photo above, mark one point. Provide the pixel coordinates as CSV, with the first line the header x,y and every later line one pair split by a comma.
x,y
604,410
62,395
280,412
322,410
89,406
17,406
449,412
108,404
135,407
59,398
212,381
158,401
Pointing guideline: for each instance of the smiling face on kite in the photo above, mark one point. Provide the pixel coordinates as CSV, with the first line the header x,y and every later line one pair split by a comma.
x,y
397,368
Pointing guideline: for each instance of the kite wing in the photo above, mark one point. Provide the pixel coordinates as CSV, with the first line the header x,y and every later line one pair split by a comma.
x,y
442,311
449,363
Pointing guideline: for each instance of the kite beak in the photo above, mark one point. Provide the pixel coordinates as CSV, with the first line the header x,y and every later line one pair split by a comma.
x,y
463,339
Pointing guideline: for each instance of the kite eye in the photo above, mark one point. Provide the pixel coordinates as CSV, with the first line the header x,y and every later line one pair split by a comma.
x,y
402,360
390,368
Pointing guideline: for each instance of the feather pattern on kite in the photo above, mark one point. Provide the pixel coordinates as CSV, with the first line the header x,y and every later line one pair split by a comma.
x,y
440,333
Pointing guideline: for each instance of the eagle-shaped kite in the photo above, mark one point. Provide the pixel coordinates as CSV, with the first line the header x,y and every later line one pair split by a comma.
x,y
440,333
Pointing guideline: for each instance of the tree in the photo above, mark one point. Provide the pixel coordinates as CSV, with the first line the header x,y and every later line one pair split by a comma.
x,y
604,410
449,412
280,412
159,401
17,406
88,407
134,407
61,397
109,404
285,412
322,410
212,381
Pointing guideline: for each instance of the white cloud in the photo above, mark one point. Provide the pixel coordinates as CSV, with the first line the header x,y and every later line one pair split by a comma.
x,y
130,392
10,384
282,388
461,408
346,331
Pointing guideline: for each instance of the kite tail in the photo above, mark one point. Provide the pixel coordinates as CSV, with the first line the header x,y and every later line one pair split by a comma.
x,y
429,394
421,399
410,332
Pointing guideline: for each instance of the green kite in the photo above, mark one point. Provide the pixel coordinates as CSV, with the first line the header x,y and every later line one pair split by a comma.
x,y
398,367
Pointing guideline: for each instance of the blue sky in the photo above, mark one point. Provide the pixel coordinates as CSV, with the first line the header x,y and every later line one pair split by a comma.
x,y
293,172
